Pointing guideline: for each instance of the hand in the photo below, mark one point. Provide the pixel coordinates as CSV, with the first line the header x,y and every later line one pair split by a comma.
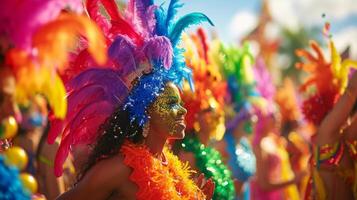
x,y
206,186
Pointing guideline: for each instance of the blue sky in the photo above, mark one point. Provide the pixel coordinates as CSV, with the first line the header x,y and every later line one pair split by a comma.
x,y
234,18
220,12
226,14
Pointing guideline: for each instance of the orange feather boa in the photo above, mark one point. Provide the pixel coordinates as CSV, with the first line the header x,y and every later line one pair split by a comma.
x,y
157,181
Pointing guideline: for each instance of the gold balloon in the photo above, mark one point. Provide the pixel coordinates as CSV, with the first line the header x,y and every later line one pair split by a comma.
x,y
16,156
29,182
9,128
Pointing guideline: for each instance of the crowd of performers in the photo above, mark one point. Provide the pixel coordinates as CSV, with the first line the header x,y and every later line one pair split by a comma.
x,y
98,101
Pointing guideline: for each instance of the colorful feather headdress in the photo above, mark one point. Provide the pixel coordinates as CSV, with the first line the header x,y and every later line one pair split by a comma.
x,y
210,88
237,67
40,38
326,82
144,56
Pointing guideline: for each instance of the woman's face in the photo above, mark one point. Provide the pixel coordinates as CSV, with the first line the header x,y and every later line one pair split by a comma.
x,y
167,114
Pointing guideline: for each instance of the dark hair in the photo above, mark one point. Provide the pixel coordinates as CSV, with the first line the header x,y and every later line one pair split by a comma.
x,y
354,108
113,133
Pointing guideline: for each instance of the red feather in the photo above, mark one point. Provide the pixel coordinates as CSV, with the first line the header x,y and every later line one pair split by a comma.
x,y
123,27
203,37
112,9
94,13
319,105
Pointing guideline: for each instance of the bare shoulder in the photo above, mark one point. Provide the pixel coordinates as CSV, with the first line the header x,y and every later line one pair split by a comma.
x,y
102,180
110,170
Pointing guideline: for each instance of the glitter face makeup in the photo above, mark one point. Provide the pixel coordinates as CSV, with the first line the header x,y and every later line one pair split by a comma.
x,y
169,111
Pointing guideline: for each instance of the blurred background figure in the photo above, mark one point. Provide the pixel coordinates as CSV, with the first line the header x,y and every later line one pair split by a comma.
x,y
205,117
32,136
274,177
331,107
236,65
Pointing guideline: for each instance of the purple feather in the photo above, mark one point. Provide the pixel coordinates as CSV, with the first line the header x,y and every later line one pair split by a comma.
x,y
122,52
139,13
265,84
159,49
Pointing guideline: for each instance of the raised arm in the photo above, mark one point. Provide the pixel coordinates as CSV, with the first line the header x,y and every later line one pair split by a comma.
x,y
328,132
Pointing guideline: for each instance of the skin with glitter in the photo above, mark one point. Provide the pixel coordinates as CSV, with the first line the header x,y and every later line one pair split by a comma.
x,y
167,112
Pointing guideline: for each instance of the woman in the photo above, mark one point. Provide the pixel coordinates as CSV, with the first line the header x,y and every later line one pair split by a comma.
x,y
115,175
333,165
274,177
237,66
31,137
205,121
137,100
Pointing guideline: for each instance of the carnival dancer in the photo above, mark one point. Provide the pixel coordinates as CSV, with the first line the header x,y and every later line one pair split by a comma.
x,y
205,118
332,109
274,177
129,109
237,67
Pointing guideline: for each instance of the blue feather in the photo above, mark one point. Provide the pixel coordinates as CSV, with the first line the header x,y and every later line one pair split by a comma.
x,y
172,11
160,15
184,22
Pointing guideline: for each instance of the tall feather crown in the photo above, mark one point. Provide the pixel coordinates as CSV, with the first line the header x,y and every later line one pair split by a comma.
x,y
143,46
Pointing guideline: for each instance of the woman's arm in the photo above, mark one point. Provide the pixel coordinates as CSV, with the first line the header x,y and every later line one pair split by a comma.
x,y
54,186
328,132
101,181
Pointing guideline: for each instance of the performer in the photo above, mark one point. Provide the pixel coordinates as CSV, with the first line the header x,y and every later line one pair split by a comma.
x,y
237,67
29,31
332,109
274,177
205,118
130,109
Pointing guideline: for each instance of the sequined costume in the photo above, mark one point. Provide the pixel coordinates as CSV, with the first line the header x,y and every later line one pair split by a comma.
x,y
209,161
241,160
328,158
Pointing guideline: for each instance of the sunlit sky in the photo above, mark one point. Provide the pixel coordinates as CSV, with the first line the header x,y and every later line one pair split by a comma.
x,y
234,18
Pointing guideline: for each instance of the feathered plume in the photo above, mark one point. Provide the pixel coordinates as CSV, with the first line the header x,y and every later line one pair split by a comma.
x,y
328,78
138,42
210,89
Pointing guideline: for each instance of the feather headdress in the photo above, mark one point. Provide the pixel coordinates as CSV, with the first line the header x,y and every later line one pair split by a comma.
x,y
327,80
144,56
237,67
210,88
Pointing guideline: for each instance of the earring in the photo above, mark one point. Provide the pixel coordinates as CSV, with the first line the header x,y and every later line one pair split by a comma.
x,y
146,130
